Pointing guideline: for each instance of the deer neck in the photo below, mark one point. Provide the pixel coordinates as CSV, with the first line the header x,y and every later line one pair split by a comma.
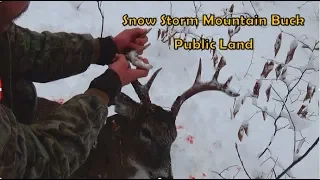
x,y
128,163
140,171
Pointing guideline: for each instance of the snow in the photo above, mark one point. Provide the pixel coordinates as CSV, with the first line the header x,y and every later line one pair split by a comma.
x,y
206,117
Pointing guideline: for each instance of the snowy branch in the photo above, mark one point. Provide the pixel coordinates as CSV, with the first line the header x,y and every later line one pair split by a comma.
x,y
297,121
299,159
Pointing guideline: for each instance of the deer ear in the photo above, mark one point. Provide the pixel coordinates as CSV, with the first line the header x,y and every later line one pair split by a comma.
x,y
126,106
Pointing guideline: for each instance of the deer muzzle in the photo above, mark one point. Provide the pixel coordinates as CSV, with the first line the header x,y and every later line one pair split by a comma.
x,y
161,174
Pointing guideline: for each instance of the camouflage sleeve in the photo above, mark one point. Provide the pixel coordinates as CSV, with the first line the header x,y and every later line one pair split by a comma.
x,y
56,146
46,56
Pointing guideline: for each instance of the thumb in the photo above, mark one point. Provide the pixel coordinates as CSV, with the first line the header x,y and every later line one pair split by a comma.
x,y
137,73
139,32
119,56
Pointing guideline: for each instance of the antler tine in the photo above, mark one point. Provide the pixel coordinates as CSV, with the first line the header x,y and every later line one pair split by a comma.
x,y
143,90
199,86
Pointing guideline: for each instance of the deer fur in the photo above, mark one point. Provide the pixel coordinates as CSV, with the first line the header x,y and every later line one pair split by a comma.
x,y
135,143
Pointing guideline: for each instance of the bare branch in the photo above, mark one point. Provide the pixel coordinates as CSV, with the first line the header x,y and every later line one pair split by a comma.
x,y
253,8
236,145
272,170
249,64
197,9
226,169
299,7
293,125
78,7
102,16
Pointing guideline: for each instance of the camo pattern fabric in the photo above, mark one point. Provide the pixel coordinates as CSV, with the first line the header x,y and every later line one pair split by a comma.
x,y
44,57
57,145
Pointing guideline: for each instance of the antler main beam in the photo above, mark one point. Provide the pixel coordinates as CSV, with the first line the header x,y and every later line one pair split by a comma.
x,y
199,86
143,90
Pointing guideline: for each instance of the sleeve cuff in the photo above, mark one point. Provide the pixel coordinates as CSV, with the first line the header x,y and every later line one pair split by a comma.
x,y
108,50
109,82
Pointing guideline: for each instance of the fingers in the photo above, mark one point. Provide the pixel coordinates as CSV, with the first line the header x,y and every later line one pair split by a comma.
x,y
145,60
148,30
141,41
139,49
119,56
140,38
139,32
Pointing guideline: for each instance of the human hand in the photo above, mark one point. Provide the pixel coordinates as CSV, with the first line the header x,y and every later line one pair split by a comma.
x,y
132,39
125,73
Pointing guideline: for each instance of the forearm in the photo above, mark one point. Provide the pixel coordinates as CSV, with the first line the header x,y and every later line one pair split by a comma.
x,y
55,147
46,56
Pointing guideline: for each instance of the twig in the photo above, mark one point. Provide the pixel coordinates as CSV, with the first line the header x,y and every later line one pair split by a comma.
x,y
293,125
274,160
265,161
272,170
247,73
102,17
254,8
79,5
197,9
170,8
299,159
304,44
236,173
303,4
236,145
226,169
283,106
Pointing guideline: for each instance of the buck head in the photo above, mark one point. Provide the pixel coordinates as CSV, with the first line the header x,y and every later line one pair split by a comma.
x,y
149,133
150,130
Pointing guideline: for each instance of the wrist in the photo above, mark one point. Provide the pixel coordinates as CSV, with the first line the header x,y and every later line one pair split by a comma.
x,y
108,49
109,82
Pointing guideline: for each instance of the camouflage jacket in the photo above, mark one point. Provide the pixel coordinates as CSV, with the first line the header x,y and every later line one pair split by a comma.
x,y
58,144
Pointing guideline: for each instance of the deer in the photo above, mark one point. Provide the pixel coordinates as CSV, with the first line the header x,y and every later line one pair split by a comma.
x,y
135,143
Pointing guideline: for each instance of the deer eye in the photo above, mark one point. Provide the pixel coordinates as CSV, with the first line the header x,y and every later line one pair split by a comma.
x,y
146,133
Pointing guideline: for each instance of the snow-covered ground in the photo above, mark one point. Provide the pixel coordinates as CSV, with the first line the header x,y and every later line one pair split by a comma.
x,y
205,117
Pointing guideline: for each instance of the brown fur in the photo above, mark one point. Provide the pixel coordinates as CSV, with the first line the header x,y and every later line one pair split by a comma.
x,y
120,140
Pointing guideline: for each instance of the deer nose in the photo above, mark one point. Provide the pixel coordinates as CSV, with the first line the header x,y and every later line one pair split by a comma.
x,y
167,176
164,178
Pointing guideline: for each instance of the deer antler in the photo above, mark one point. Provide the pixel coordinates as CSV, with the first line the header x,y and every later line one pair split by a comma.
x,y
143,90
199,86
